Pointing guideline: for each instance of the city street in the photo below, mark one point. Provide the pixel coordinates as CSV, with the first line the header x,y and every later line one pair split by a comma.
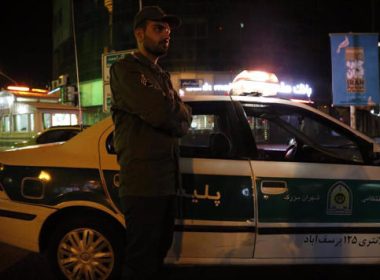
x,y
18,264
244,132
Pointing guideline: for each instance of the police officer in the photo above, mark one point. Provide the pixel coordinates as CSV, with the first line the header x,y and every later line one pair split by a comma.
x,y
149,117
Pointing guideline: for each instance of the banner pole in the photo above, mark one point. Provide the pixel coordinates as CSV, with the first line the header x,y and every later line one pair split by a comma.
x,y
352,116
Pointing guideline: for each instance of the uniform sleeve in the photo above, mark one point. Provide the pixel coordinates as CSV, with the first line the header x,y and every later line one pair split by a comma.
x,y
185,119
136,95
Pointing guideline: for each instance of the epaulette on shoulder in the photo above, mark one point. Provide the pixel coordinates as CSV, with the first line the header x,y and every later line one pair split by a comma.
x,y
129,60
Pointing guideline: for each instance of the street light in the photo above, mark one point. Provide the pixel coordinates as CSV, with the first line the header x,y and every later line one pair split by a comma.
x,y
109,5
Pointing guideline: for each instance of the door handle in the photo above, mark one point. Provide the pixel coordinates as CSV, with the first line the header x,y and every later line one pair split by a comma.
x,y
273,187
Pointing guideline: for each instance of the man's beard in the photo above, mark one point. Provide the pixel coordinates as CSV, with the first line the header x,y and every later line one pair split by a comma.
x,y
156,49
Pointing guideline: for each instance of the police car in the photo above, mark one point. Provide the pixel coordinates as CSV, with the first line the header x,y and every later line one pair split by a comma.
x,y
265,181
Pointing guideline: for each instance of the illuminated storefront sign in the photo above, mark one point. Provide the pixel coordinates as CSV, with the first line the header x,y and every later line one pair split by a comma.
x,y
207,87
282,87
302,89
190,83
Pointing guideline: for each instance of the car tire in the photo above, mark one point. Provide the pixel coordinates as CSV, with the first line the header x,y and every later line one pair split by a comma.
x,y
85,248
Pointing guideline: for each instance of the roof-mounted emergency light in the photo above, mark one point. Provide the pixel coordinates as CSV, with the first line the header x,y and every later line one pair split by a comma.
x,y
255,83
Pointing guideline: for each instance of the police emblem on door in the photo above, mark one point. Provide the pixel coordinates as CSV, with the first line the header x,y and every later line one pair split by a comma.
x,y
339,199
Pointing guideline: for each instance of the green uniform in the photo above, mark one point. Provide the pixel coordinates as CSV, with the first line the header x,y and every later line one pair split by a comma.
x,y
149,118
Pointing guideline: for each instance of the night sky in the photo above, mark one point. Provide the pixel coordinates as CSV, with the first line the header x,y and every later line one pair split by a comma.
x,y
26,44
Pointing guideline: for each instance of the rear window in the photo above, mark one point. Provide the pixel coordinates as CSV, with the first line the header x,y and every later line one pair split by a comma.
x,y
56,136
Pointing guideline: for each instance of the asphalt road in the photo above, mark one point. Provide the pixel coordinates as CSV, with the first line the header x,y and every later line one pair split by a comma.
x,y
17,264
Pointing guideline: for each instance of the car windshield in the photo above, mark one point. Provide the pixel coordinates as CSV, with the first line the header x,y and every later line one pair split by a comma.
x,y
276,127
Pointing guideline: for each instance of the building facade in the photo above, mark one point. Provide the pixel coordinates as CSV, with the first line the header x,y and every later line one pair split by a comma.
x,y
216,36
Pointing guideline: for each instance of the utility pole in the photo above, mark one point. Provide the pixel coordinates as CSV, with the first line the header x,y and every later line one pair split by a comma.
x,y
109,5
80,121
353,116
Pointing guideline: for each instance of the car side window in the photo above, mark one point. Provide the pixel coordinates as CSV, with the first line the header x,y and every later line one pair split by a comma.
x,y
209,135
55,136
284,133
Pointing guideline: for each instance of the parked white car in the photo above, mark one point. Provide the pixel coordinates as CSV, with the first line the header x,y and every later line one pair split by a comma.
x,y
265,181
59,133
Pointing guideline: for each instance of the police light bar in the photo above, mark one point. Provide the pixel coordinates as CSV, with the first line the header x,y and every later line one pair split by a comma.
x,y
255,82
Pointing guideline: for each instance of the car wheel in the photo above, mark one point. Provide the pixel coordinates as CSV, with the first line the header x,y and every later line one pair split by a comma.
x,y
85,249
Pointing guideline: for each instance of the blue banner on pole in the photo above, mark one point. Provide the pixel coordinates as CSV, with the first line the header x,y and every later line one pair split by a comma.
x,y
355,69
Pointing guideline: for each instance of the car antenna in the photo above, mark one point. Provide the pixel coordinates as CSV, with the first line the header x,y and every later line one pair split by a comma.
x,y
80,119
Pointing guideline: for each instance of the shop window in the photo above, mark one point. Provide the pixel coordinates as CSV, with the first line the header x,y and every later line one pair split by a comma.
x,y
31,121
6,125
64,119
54,119
73,119
21,123
60,119
46,120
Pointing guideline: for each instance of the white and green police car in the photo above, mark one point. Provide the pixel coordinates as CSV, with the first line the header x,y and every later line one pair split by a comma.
x,y
265,181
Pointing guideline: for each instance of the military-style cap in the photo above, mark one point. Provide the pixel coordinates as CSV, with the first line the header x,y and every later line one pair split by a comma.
x,y
155,13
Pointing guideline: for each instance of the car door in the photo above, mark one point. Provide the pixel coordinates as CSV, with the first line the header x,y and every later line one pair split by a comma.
x,y
216,203
318,194
109,168
215,216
